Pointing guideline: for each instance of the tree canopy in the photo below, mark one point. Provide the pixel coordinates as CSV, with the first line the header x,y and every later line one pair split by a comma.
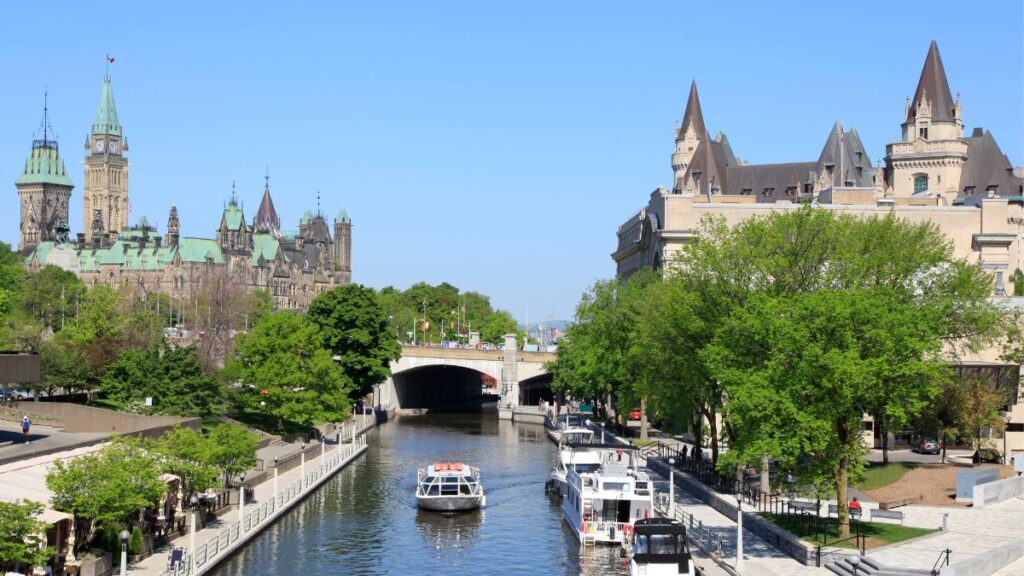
x,y
172,377
22,534
287,373
354,328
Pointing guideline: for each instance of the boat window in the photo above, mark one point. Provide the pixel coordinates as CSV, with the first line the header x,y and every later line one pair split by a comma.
x,y
642,544
664,544
615,486
586,468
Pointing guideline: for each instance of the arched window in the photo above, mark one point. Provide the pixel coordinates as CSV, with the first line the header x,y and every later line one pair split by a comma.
x,y
920,183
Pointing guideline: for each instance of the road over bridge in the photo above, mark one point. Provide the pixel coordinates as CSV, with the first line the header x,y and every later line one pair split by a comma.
x,y
434,377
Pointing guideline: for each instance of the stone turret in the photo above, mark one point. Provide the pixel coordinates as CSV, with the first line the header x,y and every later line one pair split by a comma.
x,y
689,135
173,227
106,168
343,245
44,190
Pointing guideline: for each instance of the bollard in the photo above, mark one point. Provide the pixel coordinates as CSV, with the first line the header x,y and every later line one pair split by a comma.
x,y
945,521
353,433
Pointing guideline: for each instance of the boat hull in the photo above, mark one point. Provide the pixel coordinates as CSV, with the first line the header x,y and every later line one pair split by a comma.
x,y
450,503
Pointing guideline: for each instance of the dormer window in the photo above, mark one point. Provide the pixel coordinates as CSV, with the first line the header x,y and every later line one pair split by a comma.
x,y
791,191
768,192
920,183
923,133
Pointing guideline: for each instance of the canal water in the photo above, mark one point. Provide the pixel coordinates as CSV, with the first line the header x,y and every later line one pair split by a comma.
x,y
365,520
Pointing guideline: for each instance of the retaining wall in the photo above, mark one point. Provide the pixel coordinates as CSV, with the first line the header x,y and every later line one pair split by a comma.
x,y
987,563
993,492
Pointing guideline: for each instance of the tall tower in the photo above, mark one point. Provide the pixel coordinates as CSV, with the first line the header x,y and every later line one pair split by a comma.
x,y
106,168
932,153
343,245
44,190
173,227
691,133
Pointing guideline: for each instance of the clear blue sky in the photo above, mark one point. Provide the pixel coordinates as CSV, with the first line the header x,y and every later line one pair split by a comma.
x,y
495,147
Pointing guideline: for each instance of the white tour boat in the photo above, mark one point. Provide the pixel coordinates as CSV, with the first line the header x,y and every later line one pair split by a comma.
x,y
601,505
572,451
449,487
658,547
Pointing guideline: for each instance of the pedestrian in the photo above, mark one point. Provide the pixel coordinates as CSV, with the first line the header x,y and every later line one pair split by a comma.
x,y
25,424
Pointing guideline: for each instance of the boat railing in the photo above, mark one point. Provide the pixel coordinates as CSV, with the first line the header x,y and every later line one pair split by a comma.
x,y
615,530
440,485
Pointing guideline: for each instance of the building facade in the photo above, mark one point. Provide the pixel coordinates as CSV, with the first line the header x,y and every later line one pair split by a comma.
x,y
966,186
294,267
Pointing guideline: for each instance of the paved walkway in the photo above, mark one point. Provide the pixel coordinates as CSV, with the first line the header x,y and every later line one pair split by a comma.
x,y
262,493
971,532
42,440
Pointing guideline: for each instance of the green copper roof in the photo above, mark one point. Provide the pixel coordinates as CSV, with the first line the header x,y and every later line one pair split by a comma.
x,y
44,166
307,217
106,115
263,245
42,251
199,249
342,216
233,216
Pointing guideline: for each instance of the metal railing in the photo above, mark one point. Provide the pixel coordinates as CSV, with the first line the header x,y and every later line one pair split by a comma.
x,y
259,515
942,560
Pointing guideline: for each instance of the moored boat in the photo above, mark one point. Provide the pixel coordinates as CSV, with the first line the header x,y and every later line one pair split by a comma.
x,y
658,547
572,452
449,487
602,503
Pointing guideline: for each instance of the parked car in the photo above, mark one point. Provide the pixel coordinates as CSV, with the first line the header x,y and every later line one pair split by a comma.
x,y
635,415
987,455
927,446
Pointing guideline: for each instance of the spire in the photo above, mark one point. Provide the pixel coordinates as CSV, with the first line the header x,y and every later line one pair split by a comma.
x,y
44,164
266,220
693,115
933,88
106,115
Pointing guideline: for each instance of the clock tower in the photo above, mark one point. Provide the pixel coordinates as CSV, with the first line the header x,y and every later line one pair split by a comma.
x,y
106,169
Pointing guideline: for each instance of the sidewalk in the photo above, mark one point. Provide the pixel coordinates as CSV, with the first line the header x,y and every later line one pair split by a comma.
x,y
218,539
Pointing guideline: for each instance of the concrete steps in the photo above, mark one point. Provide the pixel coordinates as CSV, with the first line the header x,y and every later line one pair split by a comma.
x,y
855,565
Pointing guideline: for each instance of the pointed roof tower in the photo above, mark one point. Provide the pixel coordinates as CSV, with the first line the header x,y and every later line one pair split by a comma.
x,y
266,220
106,115
693,115
934,88
44,164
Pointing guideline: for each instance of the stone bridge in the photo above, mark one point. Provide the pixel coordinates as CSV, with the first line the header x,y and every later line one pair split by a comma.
x,y
426,377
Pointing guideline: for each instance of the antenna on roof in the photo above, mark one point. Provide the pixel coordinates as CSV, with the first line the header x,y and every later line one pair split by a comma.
x,y
266,178
318,212
45,127
234,198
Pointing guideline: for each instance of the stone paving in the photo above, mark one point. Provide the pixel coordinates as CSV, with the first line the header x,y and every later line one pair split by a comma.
x,y
971,532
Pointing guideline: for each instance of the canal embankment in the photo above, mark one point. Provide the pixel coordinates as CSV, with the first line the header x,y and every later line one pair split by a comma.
x,y
269,496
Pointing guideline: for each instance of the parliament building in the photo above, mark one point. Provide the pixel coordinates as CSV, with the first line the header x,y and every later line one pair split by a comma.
x,y
294,267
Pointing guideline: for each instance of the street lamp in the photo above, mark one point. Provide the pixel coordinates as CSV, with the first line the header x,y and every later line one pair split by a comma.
x,y
302,462
1006,453
124,550
241,502
739,529
275,481
194,501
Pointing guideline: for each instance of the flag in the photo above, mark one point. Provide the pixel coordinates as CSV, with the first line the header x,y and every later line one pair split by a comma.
x,y
110,59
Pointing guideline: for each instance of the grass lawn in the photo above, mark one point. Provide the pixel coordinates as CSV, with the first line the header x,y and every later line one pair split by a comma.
x,y
878,475
878,533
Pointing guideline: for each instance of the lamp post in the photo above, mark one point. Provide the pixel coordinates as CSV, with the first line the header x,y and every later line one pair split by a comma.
x,y
124,550
672,488
1006,453
241,502
739,531
194,501
302,462
275,481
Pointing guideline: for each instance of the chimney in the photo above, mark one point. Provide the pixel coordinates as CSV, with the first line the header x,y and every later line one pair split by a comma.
x,y
156,241
978,132
126,246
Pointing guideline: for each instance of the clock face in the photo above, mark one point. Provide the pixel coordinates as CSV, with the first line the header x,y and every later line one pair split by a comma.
x,y
113,146
99,144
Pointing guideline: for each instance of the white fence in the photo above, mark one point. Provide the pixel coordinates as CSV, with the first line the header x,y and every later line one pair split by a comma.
x,y
208,553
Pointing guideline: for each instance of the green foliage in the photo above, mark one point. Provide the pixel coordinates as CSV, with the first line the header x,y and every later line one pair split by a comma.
x,y
172,377
191,456
233,450
109,486
286,372
51,295
22,535
444,305
63,366
135,542
1018,282
355,330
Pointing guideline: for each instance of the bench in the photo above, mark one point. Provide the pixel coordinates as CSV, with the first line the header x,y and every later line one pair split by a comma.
x,y
834,509
803,506
887,515
901,501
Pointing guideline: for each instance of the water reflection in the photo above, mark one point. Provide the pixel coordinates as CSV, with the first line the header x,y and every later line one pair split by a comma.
x,y
365,519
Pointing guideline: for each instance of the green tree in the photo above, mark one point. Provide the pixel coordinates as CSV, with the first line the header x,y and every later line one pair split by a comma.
x,y
51,295
172,377
354,327
108,487
63,367
22,535
191,456
287,374
496,325
233,450
828,318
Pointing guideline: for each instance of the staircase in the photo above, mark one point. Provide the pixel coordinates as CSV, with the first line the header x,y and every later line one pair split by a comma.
x,y
855,565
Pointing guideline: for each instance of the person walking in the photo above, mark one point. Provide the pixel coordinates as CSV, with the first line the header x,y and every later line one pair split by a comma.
x,y
25,424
